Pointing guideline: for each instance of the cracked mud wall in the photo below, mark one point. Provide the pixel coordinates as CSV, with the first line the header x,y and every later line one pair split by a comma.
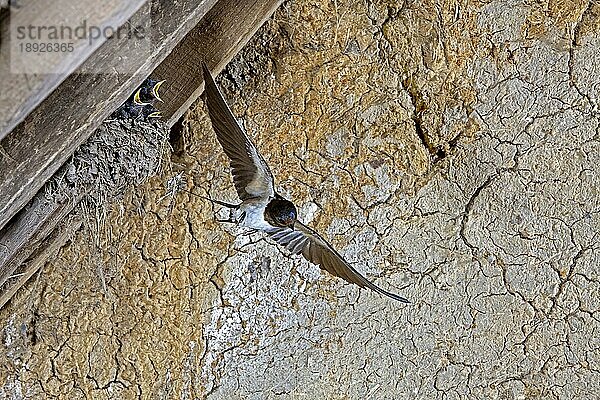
x,y
449,150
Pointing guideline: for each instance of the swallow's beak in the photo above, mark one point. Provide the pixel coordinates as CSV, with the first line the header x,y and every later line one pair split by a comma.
x,y
137,99
155,90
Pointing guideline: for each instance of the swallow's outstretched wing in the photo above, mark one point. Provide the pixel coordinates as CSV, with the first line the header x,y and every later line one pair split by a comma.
x,y
315,249
251,174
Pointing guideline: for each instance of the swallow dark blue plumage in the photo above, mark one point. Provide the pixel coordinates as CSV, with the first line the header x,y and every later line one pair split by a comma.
x,y
262,208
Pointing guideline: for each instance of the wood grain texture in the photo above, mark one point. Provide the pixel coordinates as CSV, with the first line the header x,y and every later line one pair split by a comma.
x,y
218,37
40,144
28,228
36,249
22,92
38,226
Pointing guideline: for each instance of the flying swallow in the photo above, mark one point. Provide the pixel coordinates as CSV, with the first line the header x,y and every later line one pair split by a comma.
x,y
262,208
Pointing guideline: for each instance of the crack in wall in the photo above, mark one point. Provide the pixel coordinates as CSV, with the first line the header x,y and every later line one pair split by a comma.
x,y
493,243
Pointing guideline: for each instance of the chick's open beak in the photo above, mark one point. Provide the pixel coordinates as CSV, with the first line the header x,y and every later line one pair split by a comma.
x,y
155,90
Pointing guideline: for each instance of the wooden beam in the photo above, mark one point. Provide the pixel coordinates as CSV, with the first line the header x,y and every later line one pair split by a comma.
x,y
25,243
40,144
216,39
22,91
27,250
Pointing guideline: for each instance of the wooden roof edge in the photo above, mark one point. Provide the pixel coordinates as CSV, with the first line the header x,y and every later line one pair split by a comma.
x,y
36,232
46,138
24,99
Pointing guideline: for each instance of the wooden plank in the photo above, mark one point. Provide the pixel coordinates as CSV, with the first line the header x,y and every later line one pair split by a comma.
x,y
22,256
27,229
40,144
216,39
22,91
33,249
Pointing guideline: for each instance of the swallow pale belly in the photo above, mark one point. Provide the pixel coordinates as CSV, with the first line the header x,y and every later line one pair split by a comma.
x,y
251,214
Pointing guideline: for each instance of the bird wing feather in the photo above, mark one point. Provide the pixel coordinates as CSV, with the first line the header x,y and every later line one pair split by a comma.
x,y
251,174
304,240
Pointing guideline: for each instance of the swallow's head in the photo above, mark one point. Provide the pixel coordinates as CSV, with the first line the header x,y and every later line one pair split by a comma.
x,y
281,213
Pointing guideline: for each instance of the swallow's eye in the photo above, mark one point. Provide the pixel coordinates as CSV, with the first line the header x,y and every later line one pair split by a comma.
x,y
287,217
282,212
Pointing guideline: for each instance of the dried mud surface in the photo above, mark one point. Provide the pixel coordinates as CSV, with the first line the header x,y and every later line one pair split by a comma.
x,y
450,150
